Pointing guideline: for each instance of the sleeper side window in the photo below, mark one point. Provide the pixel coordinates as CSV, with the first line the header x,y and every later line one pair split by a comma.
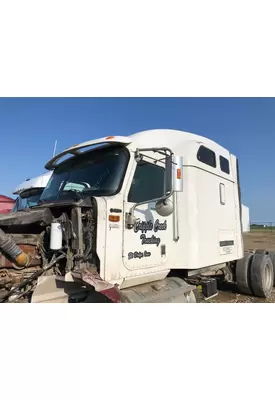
x,y
147,184
224,164
207,156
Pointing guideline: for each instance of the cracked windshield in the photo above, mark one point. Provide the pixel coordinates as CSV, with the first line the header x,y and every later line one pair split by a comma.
x,y
97,173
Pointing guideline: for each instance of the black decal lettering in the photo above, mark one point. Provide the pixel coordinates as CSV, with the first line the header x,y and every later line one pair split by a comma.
x,y
149,240
143,226
138,254
160,226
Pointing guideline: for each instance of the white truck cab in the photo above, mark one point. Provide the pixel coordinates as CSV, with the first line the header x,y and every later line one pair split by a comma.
x,y
29,192
167,200
142,218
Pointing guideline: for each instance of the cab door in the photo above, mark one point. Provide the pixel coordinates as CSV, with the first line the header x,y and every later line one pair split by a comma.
x,y
146,245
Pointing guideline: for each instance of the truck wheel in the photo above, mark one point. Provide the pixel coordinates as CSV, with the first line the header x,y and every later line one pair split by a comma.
x,y
272,256
261,275
260,251
243,273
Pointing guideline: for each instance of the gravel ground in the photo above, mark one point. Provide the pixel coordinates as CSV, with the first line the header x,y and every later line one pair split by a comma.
x,y
230,297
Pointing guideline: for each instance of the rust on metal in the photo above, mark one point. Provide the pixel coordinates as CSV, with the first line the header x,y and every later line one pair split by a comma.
x,y
90,276
30,250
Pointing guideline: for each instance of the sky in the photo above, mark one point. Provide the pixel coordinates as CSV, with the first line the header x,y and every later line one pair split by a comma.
x,y
245,126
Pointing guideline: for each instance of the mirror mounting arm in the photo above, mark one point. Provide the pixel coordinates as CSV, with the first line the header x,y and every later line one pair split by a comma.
x,y
161,150
168,192
130,218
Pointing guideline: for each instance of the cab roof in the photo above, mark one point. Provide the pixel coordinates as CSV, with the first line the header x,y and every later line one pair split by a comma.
x,y
37,182
176,140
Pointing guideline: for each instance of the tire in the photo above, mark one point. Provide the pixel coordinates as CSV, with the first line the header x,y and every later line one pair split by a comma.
x,y
262,275
261,251
243,273
272,256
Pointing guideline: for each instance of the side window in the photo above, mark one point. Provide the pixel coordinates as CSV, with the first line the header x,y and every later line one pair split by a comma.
x,y
148,183
207,156
224,164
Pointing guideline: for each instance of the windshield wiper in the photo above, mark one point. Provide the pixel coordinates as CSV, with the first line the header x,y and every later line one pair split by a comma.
x,y
97,192
40,202
77,195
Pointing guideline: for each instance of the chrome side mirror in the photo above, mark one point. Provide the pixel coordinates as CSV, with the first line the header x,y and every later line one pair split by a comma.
x,y
164,207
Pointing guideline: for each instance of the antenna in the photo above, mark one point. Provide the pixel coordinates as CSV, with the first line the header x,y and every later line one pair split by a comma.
x,y
54,149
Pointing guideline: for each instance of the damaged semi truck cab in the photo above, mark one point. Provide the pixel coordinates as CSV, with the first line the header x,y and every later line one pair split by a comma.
x,y
129,219
29,192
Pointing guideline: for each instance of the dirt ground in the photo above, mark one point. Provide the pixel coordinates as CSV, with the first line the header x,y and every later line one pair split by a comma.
x,y
260,239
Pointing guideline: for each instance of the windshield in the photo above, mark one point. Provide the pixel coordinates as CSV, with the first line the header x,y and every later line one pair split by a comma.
x,y
26,202
96,173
